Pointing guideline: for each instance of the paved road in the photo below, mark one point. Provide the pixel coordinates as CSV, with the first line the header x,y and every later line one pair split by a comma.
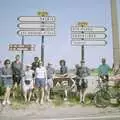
x,y
49,112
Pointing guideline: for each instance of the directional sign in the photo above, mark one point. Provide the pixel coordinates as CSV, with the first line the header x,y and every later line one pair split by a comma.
x,y
88,29
36,33
20,47
88,36
37,19
36,25
89,43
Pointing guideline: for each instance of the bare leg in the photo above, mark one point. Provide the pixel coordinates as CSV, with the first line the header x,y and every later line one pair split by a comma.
x,y
8,95
37,94
42,95
25,96
30,94
66,94
5,97
83,94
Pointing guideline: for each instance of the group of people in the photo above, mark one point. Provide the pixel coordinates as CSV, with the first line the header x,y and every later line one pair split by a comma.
x,y
37,80
34,78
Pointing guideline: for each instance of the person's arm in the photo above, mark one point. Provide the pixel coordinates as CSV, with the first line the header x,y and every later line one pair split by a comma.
x,y
99,71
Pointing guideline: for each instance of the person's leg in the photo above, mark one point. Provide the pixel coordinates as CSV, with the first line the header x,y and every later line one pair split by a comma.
x,y
8,95
66,94
83,94
29,96
50,86
42,95
5,97
36,90
42,86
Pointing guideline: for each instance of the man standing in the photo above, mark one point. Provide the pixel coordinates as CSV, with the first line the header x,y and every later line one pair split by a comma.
x,y
103,70
35,64
40,82
50,76
17,71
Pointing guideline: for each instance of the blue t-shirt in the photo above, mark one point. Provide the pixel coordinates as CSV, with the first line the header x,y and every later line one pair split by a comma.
x,y
103,69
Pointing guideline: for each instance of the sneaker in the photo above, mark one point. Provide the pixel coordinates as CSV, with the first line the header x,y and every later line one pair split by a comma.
x,y
41,102
4,102
65,99
8,102
37,101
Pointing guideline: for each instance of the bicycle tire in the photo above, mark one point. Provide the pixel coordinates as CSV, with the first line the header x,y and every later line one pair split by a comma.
x,y
1,107
102,99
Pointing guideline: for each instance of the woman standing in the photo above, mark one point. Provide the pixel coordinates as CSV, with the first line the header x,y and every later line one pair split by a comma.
x,y
40,82
6,75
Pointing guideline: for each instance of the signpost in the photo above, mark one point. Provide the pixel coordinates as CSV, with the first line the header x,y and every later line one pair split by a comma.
x,y
84,35
88,36
20,47
88,43
41,25
35,33
90,29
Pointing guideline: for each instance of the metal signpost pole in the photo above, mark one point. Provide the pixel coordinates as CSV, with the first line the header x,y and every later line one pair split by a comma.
x,y
42,50
42,14
22,52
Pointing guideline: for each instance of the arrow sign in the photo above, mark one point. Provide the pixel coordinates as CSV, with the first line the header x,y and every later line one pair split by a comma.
x,y
36,33
88,29
20,47
36,25
88,36
37,19
89,43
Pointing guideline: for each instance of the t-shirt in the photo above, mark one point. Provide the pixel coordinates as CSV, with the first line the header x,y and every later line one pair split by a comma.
x,y
6,72
40,72
63,70
29,75
103,69
35,65
50,72
83,72
17,68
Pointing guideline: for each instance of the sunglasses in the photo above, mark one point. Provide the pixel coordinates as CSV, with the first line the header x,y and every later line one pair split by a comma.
x,y
7,63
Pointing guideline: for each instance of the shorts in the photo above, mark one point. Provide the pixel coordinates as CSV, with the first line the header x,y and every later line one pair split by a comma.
x,y
8,82
50,83
40,82
81,84
16,79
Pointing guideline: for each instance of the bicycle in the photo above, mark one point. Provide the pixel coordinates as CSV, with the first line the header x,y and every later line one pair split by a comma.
x,y
102,96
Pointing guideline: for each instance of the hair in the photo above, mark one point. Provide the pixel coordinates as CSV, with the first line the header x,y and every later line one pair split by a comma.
x,y
7,60
62,61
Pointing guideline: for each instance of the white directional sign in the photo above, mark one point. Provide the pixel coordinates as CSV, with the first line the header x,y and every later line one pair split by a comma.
x,y
36,25
37,19
88,36
20,47
36,33
88,29
88,43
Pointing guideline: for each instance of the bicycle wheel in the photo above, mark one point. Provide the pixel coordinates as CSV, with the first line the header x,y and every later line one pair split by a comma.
x,y
1,107
102,99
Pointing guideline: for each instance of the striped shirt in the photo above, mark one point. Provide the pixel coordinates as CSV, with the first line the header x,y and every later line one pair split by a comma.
x,y
40,72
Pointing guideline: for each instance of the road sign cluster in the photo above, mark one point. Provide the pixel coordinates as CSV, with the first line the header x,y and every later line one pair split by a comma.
x,y
88,36
37,26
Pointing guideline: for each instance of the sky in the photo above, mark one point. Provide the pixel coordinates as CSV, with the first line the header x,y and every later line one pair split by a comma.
x,y
67,12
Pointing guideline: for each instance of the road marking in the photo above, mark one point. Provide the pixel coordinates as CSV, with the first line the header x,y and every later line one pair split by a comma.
x,y
85,118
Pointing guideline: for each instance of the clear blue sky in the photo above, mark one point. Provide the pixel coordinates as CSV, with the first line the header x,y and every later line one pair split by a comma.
x,y
67,12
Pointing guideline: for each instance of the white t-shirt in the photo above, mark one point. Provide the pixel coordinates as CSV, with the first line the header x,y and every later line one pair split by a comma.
x,y
40,72
29,75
